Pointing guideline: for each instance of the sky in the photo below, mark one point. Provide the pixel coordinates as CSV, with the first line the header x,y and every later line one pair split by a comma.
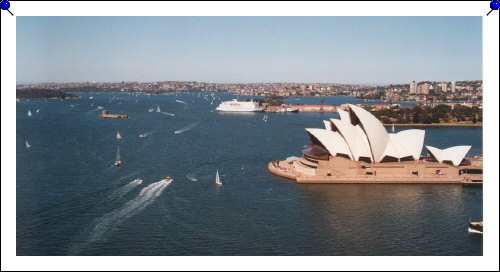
x,y
354,50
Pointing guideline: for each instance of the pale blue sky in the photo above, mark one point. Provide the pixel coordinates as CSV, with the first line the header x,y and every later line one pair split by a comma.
x,y
367,50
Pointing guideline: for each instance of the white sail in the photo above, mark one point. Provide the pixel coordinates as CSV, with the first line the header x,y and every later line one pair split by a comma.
x,y
118,136
27,144
37,110
29,113
393,129
158,109
217,179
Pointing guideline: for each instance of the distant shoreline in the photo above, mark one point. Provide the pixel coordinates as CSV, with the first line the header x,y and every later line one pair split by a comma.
x,y
438,125
41,98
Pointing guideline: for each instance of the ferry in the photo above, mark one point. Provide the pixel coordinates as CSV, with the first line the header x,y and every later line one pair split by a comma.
x,y
239,106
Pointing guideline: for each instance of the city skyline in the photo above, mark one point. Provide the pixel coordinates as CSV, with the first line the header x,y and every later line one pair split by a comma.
x,y
348,50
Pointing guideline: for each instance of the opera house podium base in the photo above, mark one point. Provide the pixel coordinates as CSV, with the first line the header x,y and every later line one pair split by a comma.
x,y
341,170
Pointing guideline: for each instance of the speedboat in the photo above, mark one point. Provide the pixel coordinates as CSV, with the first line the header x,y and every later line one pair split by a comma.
x,y
118,163
169,179
142,135
476,227
138,181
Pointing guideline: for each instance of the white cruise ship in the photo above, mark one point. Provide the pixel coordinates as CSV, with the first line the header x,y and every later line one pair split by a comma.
x,y
238,106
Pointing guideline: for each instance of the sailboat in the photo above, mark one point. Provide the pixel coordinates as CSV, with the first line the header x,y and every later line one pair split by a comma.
x,y
393,129
217,179
118,161
118,136
37,110
27,144
29,113
158,109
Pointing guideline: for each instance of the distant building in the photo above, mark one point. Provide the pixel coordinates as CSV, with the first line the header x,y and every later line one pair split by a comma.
x,y
424,88
413,87
444,86
453,86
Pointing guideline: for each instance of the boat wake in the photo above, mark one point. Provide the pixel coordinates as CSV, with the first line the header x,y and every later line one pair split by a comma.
x,y
191,177
185,128
111,220
180,101
119,193
94,110
166,113
146,134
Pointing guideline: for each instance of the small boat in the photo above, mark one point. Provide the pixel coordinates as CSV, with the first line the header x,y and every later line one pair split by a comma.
x,y
27,144
169,179
91,97
29,113
118,161
37,110
142,135
118,136
393,129
191,177
476,227
158,109
137,181
217,179
151,110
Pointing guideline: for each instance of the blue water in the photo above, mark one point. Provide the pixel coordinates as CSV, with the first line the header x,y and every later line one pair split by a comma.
x,y
71,200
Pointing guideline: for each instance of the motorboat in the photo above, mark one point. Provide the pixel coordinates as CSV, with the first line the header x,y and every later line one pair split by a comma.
x,y
476,227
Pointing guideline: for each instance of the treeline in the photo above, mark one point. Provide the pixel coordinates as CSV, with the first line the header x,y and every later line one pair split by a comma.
x,y
270,100
429,115
42,93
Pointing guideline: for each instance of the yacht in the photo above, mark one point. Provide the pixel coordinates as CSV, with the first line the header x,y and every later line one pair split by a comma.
x,y
289,109
239,106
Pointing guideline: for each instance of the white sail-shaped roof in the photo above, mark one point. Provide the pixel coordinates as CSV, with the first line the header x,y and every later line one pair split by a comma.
x,y
375,131
332,141
328,125
405,143
344,115
354,137
454,154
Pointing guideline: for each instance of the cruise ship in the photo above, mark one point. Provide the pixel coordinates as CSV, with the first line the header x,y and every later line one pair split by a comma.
x,y
239,106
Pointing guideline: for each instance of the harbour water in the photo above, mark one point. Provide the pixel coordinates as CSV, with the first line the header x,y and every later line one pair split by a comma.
x,y
72,200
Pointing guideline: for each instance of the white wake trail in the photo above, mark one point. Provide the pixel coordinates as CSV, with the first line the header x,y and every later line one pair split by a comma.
x,y
120,192
110,220
180,101
185,128
166,113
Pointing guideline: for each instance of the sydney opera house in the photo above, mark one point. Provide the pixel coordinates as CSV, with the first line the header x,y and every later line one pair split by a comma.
x,y
358,149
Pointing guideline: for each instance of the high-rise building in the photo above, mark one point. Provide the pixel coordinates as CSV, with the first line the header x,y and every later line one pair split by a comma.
x,y
424,88
413,87
453,86
444,86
